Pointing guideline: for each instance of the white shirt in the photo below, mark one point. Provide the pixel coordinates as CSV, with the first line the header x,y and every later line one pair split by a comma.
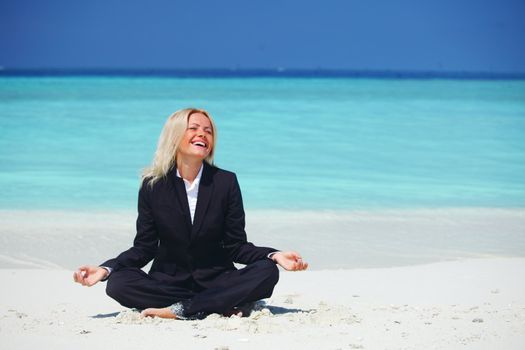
x,y
192,191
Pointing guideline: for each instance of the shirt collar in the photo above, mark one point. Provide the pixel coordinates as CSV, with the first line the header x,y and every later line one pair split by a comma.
x,y
197,179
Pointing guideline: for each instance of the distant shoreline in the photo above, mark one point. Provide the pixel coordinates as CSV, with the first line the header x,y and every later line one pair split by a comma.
x,y
328,239
258,73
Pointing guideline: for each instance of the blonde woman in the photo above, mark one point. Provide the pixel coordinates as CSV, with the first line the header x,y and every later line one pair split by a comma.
x,y
191,224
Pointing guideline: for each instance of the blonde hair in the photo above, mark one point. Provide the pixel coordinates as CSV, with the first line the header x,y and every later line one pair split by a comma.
x,y
166,154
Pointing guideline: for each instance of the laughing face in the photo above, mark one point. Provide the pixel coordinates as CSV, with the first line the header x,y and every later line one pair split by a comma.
x,y
198,138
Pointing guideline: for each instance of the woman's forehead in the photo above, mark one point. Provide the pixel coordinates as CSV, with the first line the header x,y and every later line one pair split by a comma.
x,y
199,118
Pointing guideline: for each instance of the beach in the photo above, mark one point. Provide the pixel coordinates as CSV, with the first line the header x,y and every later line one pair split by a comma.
x,y
456,295
330,239
382,142
405,196
470,304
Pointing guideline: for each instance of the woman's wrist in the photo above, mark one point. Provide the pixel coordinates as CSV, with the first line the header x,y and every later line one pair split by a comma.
x,y
273,256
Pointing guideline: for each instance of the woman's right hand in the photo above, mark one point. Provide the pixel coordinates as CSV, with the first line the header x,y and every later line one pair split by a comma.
x,y
89,275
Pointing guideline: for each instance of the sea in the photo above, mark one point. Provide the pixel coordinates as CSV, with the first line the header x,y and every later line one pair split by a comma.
x,y
298,144
295,143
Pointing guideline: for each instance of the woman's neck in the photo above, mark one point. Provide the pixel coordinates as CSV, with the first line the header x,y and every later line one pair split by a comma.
x,y
188,168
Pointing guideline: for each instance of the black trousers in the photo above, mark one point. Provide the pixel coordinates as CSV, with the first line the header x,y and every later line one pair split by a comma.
x,y
134,288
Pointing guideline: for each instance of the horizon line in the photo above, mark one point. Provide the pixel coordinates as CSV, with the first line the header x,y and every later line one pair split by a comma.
x,y
259,73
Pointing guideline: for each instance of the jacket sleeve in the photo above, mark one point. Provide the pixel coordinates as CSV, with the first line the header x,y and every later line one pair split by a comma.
x,y
235,243
146,240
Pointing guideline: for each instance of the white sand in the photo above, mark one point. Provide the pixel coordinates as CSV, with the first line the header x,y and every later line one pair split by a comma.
x,y
464,288
328,239
467,304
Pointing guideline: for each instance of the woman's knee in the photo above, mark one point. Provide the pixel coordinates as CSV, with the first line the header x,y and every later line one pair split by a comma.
x,y
271,271
118,284
114,285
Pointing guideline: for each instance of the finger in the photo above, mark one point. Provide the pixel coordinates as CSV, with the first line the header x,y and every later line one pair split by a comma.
x,y
293,254
81,274
78,277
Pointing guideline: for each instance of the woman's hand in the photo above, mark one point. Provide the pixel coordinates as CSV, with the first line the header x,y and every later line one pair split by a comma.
x,y
290,261
89,275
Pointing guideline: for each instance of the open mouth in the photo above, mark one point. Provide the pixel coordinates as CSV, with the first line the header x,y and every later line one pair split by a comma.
x,y
200,144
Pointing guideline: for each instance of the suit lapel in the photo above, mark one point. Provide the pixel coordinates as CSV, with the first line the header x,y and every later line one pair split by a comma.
x,y
182,197
203,199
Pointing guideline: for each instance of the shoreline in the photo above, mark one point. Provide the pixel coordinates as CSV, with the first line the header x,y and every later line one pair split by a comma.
x,y
328,239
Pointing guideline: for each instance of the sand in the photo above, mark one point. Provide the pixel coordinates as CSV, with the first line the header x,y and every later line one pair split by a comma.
x,y
397,279
466,304
330,239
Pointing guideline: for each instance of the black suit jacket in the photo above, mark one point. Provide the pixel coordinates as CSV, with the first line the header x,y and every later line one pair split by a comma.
x,y
186,252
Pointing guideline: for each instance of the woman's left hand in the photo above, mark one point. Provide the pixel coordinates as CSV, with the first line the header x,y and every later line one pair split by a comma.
x,y
290,261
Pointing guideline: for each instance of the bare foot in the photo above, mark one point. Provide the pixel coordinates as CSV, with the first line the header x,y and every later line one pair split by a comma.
x,y
232,312
165,312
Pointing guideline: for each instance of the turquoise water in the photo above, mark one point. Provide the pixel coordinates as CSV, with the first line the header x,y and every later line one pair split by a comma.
x,y
295,143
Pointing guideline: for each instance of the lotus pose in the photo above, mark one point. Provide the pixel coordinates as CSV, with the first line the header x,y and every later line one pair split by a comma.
x,y
191,224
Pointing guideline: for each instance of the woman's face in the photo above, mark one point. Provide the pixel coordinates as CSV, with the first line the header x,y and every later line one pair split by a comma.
x,y
198,138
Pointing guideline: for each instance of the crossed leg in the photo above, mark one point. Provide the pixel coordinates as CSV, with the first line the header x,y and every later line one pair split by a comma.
x,y
134,288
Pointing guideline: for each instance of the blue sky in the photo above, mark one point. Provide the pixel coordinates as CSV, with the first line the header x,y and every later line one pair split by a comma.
x,y
444,35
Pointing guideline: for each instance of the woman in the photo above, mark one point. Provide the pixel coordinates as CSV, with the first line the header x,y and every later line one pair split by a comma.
x,y
191,223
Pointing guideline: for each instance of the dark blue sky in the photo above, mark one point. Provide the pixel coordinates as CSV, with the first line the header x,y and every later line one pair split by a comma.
x,y
440,35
